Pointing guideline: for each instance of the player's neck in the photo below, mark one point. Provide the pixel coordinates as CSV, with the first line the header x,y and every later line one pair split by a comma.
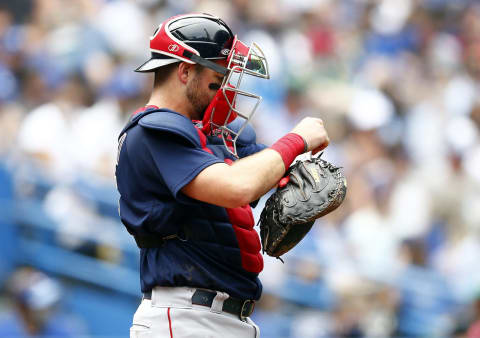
x,y
163,98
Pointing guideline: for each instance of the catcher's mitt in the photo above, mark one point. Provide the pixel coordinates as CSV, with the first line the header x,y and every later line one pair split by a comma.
x,y
311,189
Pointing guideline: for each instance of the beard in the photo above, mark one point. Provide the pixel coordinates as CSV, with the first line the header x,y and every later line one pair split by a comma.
x,y
199,100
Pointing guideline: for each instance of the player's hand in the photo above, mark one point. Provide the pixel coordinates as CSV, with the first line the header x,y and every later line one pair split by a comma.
x,y
313,132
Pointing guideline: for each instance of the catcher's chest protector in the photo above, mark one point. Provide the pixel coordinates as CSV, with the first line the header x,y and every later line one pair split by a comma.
x,y
226,233
241,218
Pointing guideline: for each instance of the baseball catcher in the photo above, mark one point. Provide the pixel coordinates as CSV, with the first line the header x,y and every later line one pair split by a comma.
x,y
189,170
311,189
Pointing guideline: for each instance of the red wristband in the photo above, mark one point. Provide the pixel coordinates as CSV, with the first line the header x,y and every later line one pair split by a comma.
x,y
289,147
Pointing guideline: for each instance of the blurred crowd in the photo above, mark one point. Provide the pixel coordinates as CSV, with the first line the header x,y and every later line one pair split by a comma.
x,y
37,308
396,83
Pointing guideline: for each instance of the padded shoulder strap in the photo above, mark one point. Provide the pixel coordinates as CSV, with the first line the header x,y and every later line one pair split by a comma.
x,y
171,122
135,118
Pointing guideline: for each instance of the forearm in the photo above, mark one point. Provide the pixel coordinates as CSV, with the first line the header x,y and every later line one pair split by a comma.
x,y
251,177
257,174
238,184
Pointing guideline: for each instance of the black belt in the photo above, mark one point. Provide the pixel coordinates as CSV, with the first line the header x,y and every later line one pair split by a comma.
x,y
241,308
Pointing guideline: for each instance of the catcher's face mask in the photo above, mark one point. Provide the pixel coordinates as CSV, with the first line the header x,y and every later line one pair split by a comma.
x,y
231,101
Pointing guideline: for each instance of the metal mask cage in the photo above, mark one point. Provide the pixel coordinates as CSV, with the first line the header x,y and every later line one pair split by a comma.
x,y
253,63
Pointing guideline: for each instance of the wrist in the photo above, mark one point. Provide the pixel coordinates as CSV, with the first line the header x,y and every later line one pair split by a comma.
x,y
289,147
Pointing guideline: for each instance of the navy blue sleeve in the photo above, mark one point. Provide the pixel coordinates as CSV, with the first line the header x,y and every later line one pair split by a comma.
x,y
249,149
176,161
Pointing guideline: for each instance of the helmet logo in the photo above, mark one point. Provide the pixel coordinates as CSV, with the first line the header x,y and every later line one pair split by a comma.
x,y
225,51
173,48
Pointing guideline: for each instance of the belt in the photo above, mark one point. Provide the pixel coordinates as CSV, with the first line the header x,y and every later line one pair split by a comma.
x,y
241,308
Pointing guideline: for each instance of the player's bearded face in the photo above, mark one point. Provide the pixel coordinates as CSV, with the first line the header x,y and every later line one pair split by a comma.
x,y
200,91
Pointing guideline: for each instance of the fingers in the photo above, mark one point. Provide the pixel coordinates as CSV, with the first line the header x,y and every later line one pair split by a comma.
x,y
313,132
321,147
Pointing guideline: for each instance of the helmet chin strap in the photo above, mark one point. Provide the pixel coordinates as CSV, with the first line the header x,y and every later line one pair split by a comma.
x,y
204,62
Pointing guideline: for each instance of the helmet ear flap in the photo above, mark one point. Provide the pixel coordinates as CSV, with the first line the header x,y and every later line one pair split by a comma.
x,y
220,111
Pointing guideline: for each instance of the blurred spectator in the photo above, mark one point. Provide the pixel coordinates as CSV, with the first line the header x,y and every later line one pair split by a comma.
x,y
36,299
48,133
425,305
396,83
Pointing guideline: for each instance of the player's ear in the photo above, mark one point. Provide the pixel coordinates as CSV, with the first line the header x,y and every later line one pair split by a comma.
x,y
184,71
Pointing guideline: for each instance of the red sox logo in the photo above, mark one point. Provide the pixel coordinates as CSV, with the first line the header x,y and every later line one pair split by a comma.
x,y
173,48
